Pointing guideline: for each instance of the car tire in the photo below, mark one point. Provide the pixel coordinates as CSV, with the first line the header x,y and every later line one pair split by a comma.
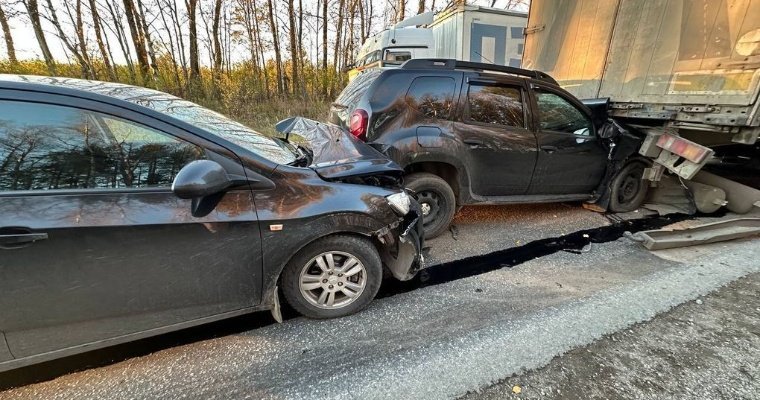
x,y
304,280
628,189
436,199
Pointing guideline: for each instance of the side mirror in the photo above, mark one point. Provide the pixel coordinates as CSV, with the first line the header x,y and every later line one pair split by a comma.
x,y
201,178
204,181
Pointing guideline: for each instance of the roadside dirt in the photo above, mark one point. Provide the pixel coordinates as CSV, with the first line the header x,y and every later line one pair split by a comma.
x,y
708,348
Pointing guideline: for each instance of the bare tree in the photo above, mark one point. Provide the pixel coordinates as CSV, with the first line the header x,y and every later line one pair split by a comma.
x,y
276,45
74,47
33,11
104,54
10,48
195,67
294,51
138,40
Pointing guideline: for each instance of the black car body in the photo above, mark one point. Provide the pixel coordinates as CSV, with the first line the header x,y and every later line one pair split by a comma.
x,y
482,134
126,212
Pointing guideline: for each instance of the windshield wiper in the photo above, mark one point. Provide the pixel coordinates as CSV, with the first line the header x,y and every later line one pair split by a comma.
x,y
303,158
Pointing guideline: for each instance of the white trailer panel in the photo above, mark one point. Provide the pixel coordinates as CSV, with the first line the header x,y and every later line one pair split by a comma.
x,y
704,52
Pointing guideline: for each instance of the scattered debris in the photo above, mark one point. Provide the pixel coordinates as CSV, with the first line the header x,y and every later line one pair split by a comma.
x,y
708,233
516,389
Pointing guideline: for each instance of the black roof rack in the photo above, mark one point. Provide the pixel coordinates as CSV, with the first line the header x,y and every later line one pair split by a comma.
x,y
450,64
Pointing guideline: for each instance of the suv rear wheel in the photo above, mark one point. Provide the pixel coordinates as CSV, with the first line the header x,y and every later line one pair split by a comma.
x,y
436,200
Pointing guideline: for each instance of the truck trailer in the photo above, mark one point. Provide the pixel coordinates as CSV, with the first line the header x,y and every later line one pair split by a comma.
x,y
684,73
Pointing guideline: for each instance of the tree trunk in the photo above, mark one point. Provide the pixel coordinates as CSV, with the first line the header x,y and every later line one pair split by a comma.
x,y
148,39
276,44
8,37
294,53
82,41
121,37
72,47
421,7
34,16
137,40
215,37
99,39
324,47
195,67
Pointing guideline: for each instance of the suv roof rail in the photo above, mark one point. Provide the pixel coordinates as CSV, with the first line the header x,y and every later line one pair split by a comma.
x,y
451,64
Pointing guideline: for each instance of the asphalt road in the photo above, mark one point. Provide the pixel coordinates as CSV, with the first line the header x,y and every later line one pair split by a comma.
x,y
436,340
704,349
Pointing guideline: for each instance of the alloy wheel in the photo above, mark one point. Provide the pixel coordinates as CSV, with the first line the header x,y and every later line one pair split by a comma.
x,y
332,280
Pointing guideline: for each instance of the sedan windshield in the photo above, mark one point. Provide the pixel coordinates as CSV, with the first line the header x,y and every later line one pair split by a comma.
x,y
219,125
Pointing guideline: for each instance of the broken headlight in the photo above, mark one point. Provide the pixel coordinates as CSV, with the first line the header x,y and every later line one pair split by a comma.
x,y
400,202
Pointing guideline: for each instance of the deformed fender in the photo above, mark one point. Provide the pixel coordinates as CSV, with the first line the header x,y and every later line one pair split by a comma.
x,y
626,149
403,256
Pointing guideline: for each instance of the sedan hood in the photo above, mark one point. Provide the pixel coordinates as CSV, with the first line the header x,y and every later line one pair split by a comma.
x,y
335,152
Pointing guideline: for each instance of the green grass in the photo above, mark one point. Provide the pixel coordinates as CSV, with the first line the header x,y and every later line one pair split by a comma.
x,y
263,115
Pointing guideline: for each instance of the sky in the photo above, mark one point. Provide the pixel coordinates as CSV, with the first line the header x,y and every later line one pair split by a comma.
x,y
27,47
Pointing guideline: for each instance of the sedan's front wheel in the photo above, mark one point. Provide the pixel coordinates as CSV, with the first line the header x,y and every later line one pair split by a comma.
x,y
332,277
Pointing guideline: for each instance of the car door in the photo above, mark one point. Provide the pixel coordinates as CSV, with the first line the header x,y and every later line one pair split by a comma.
x,y
571,159
495,129
93,243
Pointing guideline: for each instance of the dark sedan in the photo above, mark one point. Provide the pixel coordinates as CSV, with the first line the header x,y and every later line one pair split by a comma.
x,y
126,212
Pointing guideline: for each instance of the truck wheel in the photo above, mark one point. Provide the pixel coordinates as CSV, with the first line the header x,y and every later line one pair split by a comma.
x,y
333,277
436,199
628,189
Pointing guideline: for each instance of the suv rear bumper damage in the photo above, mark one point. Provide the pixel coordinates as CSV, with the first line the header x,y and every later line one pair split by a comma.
x,y
400,245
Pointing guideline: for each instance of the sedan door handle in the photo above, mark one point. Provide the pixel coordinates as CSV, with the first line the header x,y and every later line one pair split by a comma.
x,y
549,149
13,241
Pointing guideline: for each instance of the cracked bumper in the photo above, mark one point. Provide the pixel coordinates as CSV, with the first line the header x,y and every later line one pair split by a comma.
x,y
401,245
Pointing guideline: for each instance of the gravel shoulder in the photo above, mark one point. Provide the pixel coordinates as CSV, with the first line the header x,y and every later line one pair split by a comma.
x,y
708,348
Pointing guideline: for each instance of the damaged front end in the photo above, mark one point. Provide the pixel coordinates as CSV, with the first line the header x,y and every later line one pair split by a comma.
x,y
401,243
335,155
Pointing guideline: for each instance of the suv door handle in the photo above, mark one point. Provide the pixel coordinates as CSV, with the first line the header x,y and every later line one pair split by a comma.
x,y
549,149
21,239
473,142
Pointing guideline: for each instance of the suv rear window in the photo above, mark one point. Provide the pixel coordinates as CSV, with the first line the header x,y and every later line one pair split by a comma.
x,y
431,96
351,95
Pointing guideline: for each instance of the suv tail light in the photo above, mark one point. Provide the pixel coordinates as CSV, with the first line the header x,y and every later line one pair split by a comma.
x,y
357,124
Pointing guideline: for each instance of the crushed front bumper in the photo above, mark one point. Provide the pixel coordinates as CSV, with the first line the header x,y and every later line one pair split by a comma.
x,y
401,245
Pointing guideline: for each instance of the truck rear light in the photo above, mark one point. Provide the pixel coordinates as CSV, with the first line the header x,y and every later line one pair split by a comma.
x,y
358,124
684,148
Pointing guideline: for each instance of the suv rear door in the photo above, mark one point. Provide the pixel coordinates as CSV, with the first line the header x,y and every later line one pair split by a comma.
x,y
494,125
571,159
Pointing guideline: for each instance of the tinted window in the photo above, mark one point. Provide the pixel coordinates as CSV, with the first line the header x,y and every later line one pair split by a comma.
x,y
557,114
397,57
53,147
431,96
496,105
